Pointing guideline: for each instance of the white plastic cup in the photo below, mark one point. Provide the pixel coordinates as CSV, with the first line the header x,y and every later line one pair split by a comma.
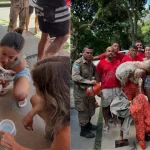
x,y
8,126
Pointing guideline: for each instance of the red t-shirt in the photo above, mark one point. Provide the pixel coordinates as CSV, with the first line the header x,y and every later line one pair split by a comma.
x,y
129,58
107,72
118,56
141,54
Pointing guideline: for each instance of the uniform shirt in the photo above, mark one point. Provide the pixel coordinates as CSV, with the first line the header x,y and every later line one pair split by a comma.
x,y
82,72
118,56
129,58
107,72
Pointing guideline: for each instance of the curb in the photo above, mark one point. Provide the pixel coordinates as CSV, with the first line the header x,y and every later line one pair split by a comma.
x,y
4,4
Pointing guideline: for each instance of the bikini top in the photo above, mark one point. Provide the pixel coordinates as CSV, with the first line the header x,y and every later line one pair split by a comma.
x,y
17,61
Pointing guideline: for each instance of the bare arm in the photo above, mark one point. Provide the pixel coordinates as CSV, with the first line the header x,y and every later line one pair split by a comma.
x,y
96,58
145,68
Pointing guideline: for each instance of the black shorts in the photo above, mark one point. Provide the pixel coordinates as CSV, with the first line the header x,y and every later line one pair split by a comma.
x,y
31,9
54,29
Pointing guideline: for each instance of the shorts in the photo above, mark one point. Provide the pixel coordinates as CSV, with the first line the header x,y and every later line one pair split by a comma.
x,y
24,73
108,95
147,81
54,29
31,9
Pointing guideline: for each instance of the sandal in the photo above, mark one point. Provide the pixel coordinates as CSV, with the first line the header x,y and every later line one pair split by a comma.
x,y
105,129
22,103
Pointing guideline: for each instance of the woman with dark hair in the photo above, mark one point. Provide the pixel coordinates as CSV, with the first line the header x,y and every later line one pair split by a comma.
x,y
51,78
12,58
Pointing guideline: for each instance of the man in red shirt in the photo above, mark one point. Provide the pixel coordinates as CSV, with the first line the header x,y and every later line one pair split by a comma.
x,y
110,85
132,56
131,89
117,55
140,53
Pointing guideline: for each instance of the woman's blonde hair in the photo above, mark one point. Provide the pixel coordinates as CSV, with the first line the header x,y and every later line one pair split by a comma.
x,y
52,77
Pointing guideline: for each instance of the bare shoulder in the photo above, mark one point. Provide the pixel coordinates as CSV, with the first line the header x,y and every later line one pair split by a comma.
x,y
62,139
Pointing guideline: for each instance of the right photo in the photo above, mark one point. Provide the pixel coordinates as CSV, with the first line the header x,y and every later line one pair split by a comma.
x,y
110,75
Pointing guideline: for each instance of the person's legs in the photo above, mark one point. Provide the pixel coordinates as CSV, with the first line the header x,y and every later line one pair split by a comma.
x,y
28,19
81,105
36,24
27,24
23,17
14,12
21,88
41,45
105,111
91,102
56,45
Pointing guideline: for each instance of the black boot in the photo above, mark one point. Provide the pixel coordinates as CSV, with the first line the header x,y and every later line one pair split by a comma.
x,y
91,126
85,132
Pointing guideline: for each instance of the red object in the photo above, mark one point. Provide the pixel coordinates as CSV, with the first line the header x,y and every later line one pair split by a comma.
x,y
140,112
97,88
128,58
131,90
93,90
107,71
68,2
89,91
141,54
118,56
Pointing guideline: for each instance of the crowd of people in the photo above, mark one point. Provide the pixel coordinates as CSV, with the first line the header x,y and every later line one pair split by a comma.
x,y
85,74
50,75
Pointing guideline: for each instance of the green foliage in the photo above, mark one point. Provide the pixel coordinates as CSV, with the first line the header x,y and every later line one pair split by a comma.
x,y
146,32
98,23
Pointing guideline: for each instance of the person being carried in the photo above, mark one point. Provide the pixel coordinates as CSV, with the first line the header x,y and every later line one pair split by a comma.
x,y
83,72
12,58
51,103
118,55
110,86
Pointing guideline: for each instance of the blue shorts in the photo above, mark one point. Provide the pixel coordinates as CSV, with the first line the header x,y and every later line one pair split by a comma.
x,y
24,73
147,81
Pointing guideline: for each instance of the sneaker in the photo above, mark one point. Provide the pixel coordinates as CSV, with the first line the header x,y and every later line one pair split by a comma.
x,y
22,103
105,129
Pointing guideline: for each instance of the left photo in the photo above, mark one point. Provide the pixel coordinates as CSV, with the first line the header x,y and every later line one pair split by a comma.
x,y
34,75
